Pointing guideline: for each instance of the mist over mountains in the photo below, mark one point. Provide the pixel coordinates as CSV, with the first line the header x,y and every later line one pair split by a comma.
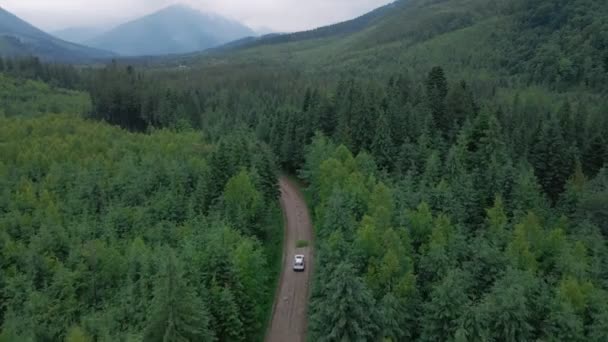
x,y
19,38
176,29
173,30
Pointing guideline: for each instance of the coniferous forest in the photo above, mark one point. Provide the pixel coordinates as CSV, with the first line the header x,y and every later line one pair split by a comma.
x,y
458,198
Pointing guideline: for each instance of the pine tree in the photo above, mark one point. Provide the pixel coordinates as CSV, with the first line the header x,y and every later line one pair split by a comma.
x,y
447,304
436,92
564,324
594,155
327,117
394,316
242,203
527,194
569,124
178,314
460,105
507,307
382,145
227,323
365,111
346,311
349,98
552,160
598,312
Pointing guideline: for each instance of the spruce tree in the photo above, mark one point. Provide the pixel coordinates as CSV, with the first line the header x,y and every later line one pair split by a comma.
x,y
507,307
365,111
227,323
552,159
436,92
346,311
447,304
382,145
594,155
394,317
460,105
177,314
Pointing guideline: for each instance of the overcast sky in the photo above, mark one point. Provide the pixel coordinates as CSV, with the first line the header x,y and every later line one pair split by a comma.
x,y
279,15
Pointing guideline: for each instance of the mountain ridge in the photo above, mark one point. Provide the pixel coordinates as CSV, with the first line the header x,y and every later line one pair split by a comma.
x,y
20,38
341,28
172,30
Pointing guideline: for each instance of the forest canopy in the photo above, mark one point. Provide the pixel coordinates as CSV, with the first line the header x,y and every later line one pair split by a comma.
x,y
454,154
118,236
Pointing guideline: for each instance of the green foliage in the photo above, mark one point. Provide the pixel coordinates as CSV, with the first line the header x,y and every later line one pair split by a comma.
x,y
343,312
441,313
21,97
177,313
552,159
110,235
302,243
242,203
517,272
455,154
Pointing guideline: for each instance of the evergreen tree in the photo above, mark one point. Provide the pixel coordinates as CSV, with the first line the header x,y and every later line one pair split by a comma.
x,y
365,111
594,155
460,105
327,117
394,316
507,307
178,314
227,323
447,303
242,203
346,311
382,145
436,92
552,160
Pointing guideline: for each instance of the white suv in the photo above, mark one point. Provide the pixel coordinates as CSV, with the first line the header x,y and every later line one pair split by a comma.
x,y
298,263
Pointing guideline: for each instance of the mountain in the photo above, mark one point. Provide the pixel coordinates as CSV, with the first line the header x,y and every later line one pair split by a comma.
x,y
339,29
19,38
173,30
559,42
78,35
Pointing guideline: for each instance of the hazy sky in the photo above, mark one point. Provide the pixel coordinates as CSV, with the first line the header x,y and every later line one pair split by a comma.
x,y
280,15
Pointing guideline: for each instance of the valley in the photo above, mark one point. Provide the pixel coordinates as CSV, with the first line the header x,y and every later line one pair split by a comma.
x,y
442,166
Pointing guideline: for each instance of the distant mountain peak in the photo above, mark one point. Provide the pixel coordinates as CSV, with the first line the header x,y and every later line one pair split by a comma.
x,y
180,6
175,29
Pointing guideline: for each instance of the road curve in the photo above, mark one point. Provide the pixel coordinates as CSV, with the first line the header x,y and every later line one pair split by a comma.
x,y
289,315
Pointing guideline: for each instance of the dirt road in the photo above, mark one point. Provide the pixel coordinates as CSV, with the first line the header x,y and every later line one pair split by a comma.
x,y
289,318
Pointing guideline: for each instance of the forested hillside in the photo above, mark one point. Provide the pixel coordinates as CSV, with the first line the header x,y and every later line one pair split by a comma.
x,y
108,235
558,43
455,155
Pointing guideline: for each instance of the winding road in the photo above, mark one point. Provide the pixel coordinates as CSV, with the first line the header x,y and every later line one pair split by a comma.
x,y
289,315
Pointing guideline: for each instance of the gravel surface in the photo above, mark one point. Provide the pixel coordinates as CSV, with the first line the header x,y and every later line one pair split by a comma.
x,y
289,318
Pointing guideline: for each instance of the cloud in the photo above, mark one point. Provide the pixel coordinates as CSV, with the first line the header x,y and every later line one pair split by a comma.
x,y
280,15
